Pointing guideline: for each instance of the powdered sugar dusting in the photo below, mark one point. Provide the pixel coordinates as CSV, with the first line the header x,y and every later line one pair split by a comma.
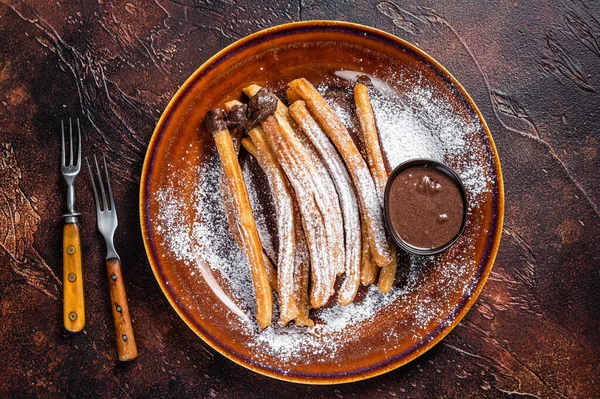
x,y
415,123
203,238
418,124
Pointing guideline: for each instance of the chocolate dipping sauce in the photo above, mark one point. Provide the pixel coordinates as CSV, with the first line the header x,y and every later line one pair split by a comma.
x,y
242,117
425,207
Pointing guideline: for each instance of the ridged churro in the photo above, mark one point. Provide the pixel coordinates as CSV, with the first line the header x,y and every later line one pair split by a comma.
x,y
368,268
387,274
324,188
302,272
366,191
300,250
348,202
370,138
284,204
233,107
321,269
246,229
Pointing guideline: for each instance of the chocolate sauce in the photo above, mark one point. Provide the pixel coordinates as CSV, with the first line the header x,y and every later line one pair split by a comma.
x,y
365,80
262,105
237,117
426,207
215,120
238,123
242,118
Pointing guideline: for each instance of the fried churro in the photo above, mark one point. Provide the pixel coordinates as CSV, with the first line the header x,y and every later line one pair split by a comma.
x,y
246,228
348,202
387,274
368,268
325,196
302,272
370,138
301,252
284,204
325,192
291,96
363,182
271,272
321,287
236,113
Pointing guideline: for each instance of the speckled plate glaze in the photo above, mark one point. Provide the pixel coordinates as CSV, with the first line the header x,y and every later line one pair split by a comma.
x,y
379,333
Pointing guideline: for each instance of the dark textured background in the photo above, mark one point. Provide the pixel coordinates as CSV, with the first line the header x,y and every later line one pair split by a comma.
x,y
532,67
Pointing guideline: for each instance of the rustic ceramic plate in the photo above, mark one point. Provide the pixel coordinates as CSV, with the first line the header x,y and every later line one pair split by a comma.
x,y
422,112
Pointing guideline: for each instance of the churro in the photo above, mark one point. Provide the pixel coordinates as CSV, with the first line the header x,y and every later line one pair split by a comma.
x,y
285,228
387,274
302,272
368,268
325,192
325,197
232,221
367,196
348,202
271,272
247,229
370,138
321,272
291,96
233,109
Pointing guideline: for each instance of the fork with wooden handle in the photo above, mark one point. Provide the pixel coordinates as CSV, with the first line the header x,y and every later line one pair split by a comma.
x,y
107,224
73,303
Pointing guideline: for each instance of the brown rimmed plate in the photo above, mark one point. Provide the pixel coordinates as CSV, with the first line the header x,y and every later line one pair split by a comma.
x,y
422,111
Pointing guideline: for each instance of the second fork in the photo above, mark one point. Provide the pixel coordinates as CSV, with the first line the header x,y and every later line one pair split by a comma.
x,y
106,214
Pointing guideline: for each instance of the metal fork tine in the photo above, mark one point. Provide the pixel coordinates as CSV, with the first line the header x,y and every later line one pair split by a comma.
x,y
62,131
78,145
110,194
104,200
93,185
70,143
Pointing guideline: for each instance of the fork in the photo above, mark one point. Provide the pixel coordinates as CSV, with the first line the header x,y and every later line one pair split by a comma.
x,y
107,224
73,301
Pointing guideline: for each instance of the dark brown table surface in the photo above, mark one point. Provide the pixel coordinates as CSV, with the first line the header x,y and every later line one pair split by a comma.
x,y
531,66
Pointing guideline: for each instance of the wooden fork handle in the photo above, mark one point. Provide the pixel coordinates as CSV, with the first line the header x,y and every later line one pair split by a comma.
x,y
73,302
120,310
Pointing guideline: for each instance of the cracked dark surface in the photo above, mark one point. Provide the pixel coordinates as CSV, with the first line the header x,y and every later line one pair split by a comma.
x,y
530,66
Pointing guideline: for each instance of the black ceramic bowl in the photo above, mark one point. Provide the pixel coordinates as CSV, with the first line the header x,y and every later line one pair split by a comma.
x,y
445,170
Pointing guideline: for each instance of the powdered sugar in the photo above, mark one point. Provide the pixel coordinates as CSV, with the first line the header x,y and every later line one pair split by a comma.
x,y
417,124
413,124
190,238
420,123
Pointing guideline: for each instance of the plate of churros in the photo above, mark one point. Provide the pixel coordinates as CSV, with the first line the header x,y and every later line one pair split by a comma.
x,y
321,202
